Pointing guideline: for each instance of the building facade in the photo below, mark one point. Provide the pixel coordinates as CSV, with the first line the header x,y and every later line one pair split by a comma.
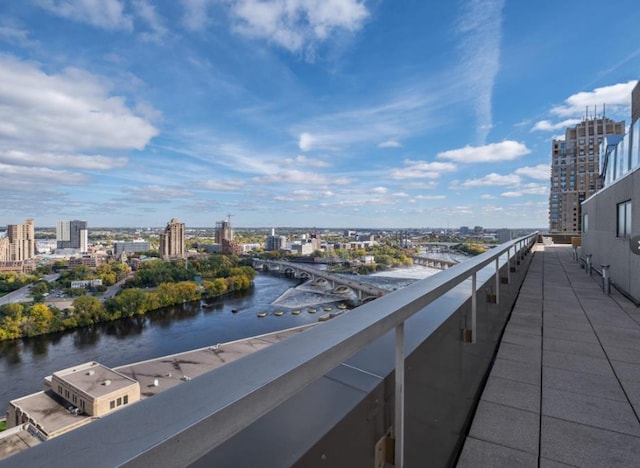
x,y
72,235
172,241
575,170
610,218
130,246
19,244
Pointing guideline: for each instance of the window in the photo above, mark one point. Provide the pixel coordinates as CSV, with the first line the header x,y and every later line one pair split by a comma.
x,y
125,399
624,219
119,401
112,404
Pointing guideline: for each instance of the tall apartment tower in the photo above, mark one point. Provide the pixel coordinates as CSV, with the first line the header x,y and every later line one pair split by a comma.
x,y
72,235
172,241
22,244
575,171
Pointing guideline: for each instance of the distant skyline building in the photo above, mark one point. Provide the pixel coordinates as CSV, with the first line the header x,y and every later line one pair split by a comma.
x,y
172,241
72,235
224,237
21,242
274,242
575,170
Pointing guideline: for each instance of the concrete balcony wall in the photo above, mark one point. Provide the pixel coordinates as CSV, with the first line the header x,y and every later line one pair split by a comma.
x,y
337,420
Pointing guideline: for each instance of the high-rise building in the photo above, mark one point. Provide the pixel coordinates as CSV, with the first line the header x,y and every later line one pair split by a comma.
x,y
72,235
172,241
224,237
575,171
19,244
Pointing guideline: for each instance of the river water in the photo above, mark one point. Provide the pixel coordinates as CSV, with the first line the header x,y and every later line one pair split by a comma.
x,y
25,362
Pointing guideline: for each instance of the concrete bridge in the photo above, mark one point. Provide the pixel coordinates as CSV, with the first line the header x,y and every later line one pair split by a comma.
x,y
438,263
338,284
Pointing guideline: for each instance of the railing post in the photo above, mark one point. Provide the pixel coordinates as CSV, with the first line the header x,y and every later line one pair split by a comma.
x,y
399,410
587,267
575,253
509,265
606,279
497,280
474,304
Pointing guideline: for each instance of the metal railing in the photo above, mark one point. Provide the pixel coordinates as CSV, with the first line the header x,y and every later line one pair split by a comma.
x,y
224,402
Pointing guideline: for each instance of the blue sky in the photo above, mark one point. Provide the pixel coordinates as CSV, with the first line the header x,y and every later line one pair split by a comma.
x,y
325,113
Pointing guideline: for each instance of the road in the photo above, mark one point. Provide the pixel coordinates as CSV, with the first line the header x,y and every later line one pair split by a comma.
x,y
24,294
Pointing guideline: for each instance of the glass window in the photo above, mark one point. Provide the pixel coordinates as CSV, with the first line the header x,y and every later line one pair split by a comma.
x,y
112,404
624,219
119,401
125,399
585,222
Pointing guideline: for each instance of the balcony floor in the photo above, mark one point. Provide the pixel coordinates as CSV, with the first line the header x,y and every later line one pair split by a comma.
x,y
565,386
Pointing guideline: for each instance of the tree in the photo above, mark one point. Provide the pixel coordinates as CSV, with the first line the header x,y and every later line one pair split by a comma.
x,y
89,310
38,321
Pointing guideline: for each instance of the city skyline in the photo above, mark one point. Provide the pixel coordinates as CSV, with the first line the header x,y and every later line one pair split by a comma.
x,y
318,113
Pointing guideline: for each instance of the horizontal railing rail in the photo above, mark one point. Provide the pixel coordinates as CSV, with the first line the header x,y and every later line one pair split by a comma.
x,y
168,428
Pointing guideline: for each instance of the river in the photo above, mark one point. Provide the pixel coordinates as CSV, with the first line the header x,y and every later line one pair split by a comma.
x,y
25,362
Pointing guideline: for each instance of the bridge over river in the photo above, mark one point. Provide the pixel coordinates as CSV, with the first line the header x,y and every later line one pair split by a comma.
x,y
339,284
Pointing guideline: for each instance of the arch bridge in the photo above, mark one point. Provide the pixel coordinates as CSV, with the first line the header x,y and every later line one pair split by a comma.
x,y
338,284
438,263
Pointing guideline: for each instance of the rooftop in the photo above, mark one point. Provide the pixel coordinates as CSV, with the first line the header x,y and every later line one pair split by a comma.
x,y
565,385
94,379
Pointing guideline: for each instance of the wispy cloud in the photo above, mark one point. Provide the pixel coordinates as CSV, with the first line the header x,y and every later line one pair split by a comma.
x,y
398,116
389,144
494,152
157,194
196,14
480,32
539,172
104,14
147,12
492,180
422,170
74,161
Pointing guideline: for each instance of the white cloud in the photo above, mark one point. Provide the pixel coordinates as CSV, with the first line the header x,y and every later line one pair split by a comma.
x,y
548,126
297,25
612,96
540,172
301,160
223,185
75,161
422,170
421,185
389,144
379,190
64,112
486,196
105,14
305,195
494,152
430,197
491,180
306,141
480,31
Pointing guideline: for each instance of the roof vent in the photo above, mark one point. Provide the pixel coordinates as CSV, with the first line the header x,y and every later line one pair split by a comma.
x,y
106,383
91,372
